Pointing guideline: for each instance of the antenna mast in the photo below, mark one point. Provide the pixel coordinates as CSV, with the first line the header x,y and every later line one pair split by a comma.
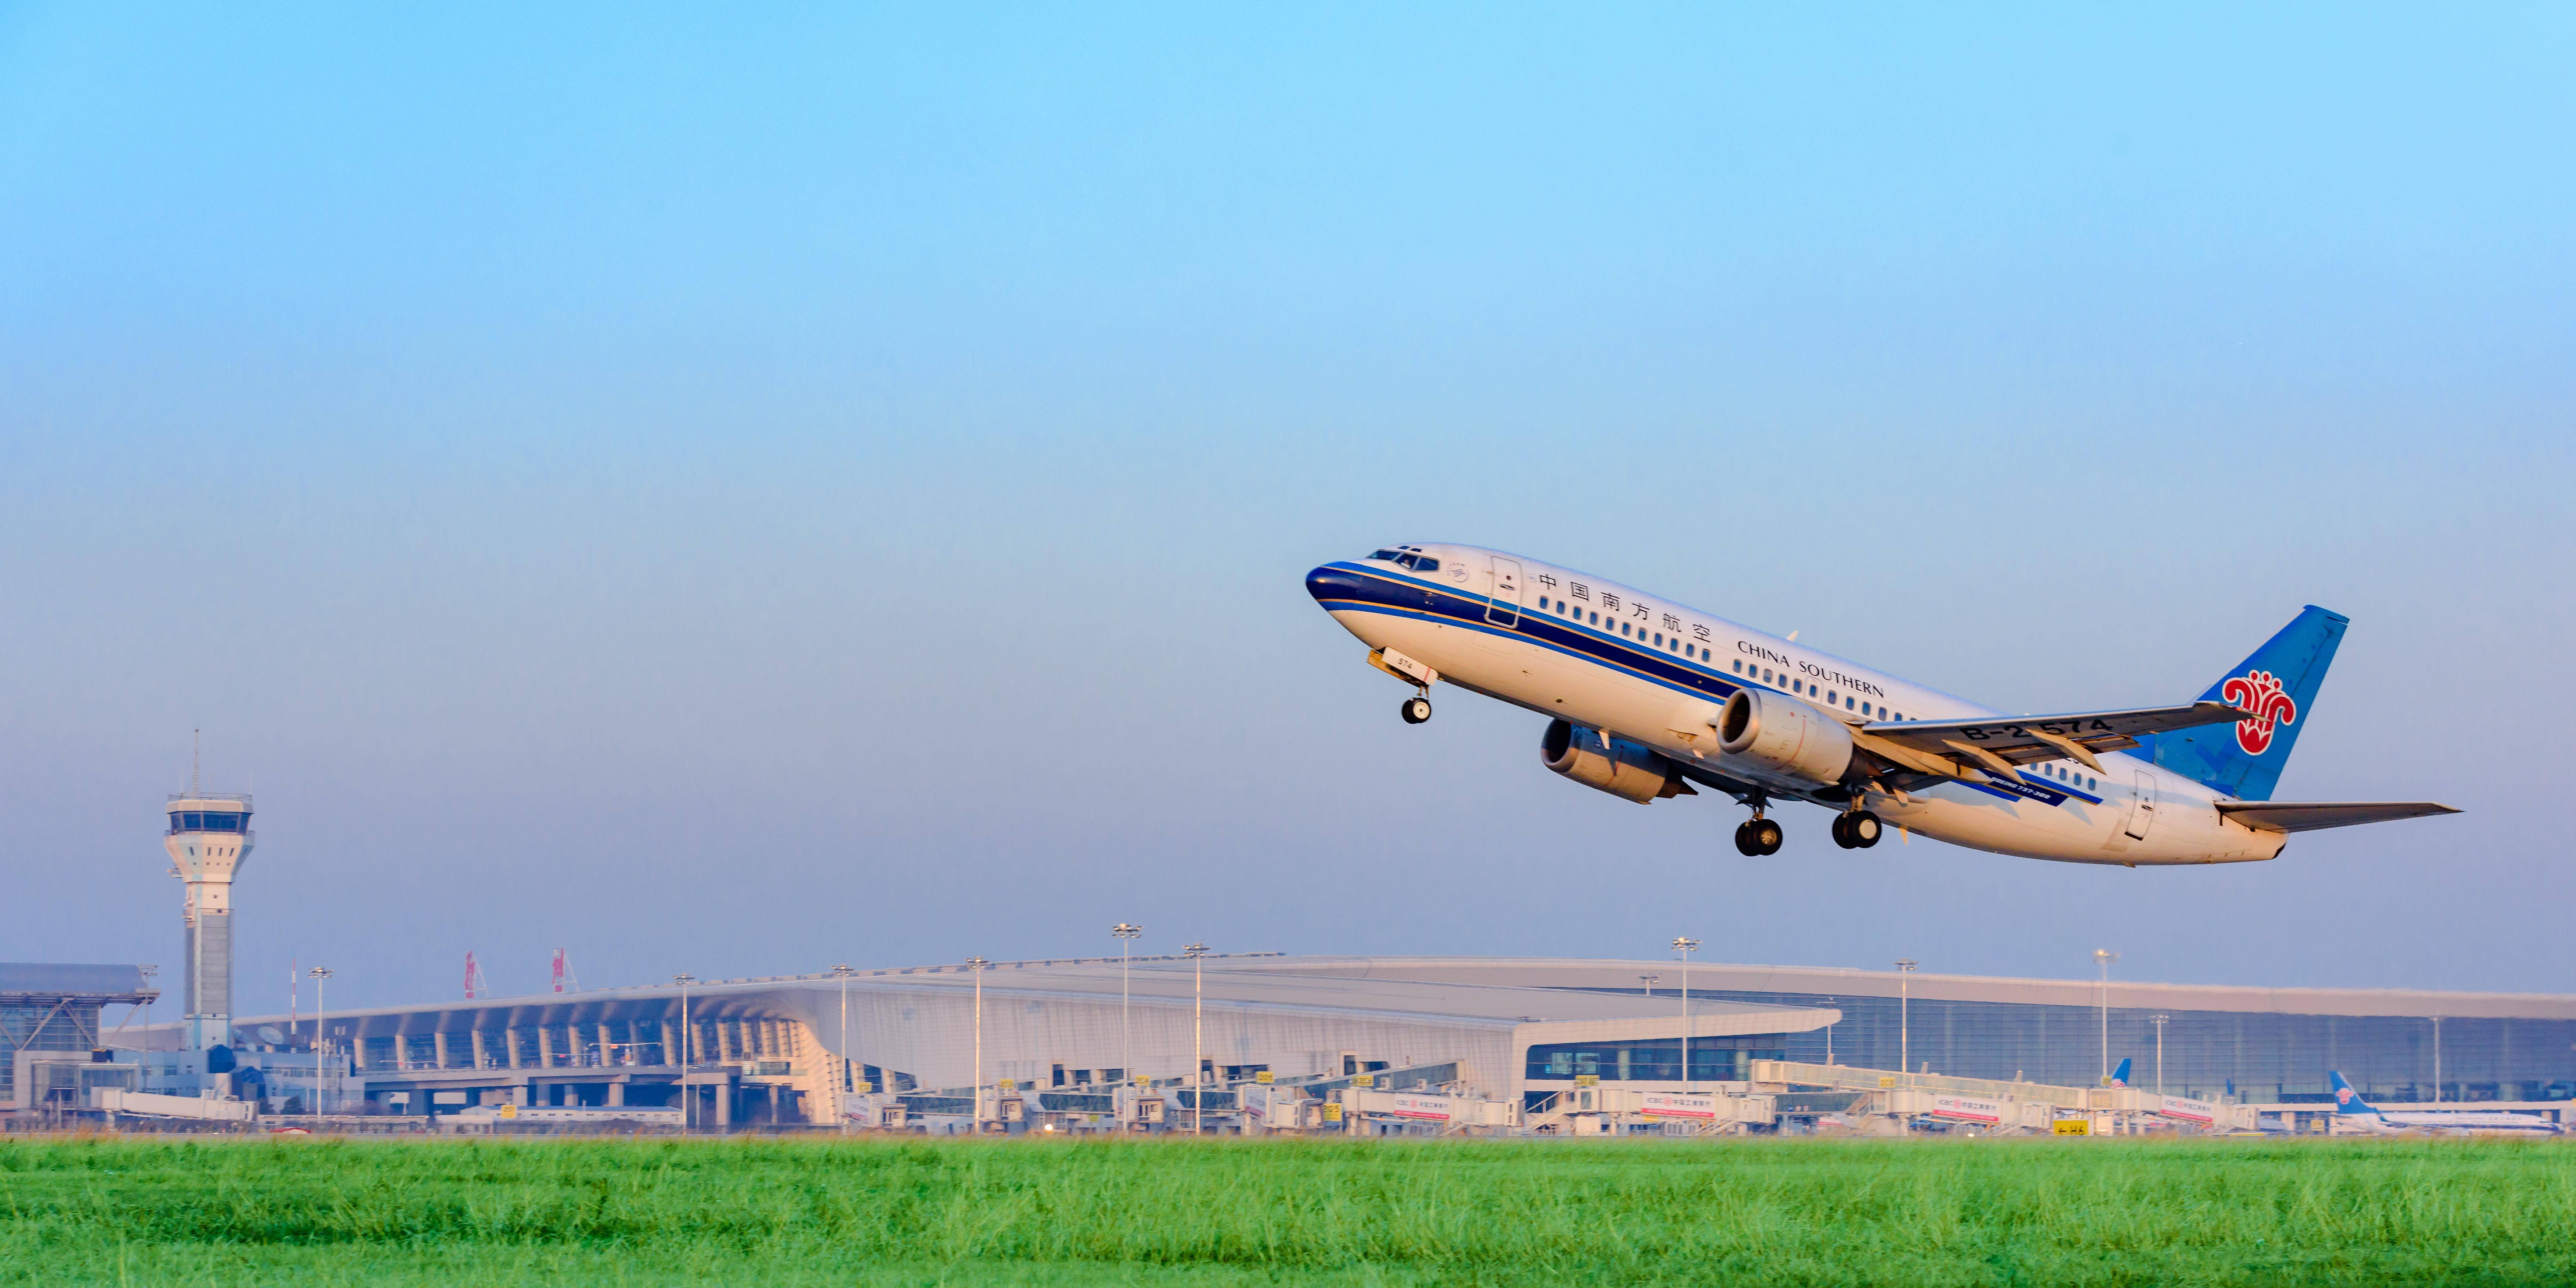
x,y
474,984
565,980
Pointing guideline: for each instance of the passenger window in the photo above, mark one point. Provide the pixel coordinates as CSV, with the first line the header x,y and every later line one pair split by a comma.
x,y
1596,619
1659,639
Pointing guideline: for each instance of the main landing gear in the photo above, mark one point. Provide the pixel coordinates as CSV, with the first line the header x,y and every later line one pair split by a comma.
x,y
1857,830
1757,837
1416,709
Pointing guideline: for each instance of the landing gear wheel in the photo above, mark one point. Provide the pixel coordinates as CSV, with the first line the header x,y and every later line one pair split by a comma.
x,y
1768,835
1417,710
1748,838
1857,830
1863,828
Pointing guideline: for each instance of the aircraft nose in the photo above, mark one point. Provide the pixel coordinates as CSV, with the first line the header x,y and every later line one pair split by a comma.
x,y
1328,582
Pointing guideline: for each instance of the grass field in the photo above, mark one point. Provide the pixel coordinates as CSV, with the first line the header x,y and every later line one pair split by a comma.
x,y
770,1212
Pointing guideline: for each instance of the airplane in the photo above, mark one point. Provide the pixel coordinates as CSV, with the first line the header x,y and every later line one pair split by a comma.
x,y
2118,1077
1648,699
2351,1108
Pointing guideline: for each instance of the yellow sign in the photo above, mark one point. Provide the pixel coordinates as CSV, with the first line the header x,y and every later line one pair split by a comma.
x,y
1886,1080
1587,1080
863,1087
1009,1085
509,1111
1261,1076
2074,1127
1364,1080
1332,1113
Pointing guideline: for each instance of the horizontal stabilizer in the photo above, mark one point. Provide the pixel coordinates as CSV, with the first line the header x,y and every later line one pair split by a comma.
x,y
2310,816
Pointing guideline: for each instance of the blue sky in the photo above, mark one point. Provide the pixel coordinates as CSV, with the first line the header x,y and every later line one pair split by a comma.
x,y
737,493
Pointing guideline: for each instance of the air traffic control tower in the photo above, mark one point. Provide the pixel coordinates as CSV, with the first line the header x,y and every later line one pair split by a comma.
x,y
209,838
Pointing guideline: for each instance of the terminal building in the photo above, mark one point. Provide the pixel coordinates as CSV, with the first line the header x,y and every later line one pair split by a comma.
x,y
778,1050
804,1049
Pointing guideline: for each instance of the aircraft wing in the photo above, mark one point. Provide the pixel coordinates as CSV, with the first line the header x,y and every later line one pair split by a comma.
x,y
2310,816
2001,743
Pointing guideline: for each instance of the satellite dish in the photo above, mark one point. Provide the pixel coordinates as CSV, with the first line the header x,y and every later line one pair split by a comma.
x,y
268,1033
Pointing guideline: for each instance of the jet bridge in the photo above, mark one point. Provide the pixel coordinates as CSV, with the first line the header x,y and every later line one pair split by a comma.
x,y
1999,1105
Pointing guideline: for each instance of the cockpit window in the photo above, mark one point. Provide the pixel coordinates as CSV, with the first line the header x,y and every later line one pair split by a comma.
x,y
1426,564
1388,555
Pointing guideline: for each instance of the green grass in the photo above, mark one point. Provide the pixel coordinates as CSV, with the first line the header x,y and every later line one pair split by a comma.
x,y
768,1212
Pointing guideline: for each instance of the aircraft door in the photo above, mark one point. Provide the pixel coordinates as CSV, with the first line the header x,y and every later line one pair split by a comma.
x,y
1503,607
2142,811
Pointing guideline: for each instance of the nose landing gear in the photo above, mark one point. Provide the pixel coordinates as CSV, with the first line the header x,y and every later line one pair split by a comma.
x,y
1416,709
1857,830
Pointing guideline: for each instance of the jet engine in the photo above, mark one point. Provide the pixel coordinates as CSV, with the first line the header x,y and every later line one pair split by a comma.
x,y
1785,736
1610,763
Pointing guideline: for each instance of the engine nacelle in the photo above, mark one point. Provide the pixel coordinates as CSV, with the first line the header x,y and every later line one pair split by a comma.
x,y
1610,763
1785,736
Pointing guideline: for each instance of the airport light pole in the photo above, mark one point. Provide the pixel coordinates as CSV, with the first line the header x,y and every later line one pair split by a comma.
x,y
687,1097
1125,933
149,992
2437,1059
1198,1061
977,965
1904,1015
843,973
1686,945
2158,1019
318,974
2103,957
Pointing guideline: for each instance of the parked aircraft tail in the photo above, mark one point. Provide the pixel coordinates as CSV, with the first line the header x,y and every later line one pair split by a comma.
x,y
2278,683
2347,1100
2119,1076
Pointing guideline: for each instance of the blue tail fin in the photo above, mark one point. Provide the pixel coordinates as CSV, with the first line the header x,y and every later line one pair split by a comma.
x,y
2120,1076
2280,682
2347,1100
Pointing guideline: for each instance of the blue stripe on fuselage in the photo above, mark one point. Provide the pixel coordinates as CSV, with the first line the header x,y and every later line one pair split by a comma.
x,y
1369,590
1374,591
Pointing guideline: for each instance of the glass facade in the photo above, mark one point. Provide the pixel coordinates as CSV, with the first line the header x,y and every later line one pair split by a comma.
x,y
2266,1056
1652,1059
43,1026
190,821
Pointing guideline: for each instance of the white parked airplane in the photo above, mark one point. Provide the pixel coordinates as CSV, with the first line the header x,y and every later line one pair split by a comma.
x,y
1647,697
2351,1108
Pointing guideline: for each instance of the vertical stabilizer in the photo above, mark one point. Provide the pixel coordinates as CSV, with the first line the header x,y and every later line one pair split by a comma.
x,y
2279,684
2347,1100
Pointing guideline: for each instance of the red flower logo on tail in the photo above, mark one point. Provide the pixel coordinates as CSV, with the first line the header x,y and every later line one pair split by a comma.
x,y
2259,692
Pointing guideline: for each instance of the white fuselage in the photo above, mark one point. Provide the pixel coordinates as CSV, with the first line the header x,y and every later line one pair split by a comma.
x,y
1607,656
2464,1120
